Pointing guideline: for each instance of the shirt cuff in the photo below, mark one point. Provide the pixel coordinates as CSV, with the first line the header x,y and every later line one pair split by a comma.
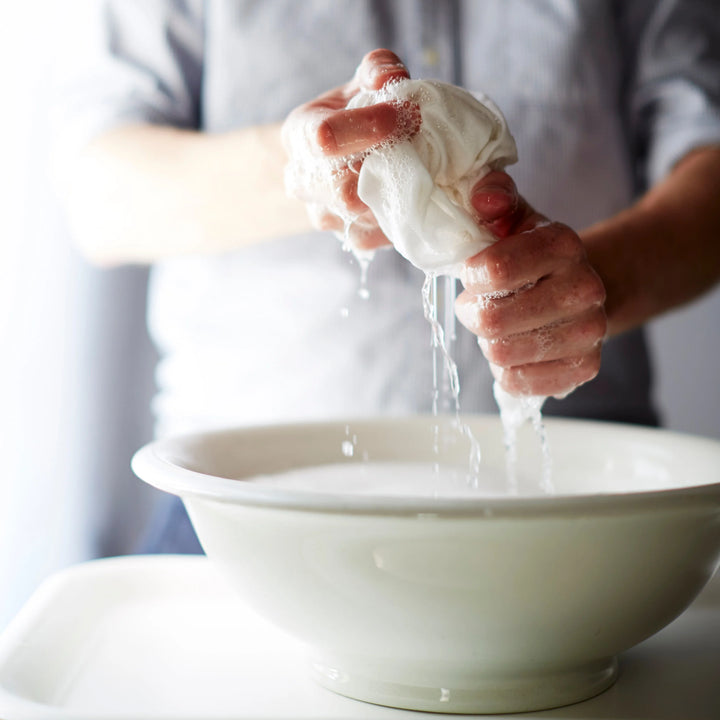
x,y
676,137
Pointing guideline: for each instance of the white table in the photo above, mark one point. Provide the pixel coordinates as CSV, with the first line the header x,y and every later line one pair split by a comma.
x,y
143,638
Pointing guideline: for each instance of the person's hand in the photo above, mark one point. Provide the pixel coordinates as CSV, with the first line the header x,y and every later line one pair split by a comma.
x,y
324,128
532,298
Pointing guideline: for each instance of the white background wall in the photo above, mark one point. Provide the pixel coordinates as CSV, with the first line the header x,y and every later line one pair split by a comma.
x,y
75,360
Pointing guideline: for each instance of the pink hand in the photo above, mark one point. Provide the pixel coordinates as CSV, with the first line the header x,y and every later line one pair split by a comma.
x,y
532,298
330,130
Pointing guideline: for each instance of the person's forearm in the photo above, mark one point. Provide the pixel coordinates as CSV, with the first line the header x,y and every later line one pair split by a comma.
x,y
665,250
140,193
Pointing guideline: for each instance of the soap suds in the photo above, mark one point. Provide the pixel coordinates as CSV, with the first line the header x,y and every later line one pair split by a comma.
x,y
419,188
514,413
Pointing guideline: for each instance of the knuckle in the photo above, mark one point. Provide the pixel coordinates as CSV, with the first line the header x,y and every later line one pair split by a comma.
x,y
474,274
506,377
591,366
465,310
327,221
498,353
598,294
349,196
584,291
489,322
591,288
320,217
368,238
520,380
598,325
566,243
498,268
509,383
590,329
325,137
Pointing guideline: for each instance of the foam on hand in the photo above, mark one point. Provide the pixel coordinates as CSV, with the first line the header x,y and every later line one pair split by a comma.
x,y
419,188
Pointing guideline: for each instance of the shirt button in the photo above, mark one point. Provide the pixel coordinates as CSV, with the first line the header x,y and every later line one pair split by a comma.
x,y
430,57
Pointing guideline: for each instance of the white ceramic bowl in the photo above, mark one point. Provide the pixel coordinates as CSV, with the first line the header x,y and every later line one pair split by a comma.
x,y
473,604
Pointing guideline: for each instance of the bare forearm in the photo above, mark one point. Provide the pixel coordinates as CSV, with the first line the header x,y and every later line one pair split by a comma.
x,y
665,250
141,193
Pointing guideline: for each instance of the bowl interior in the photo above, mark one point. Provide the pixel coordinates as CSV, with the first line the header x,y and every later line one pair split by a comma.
x,y
587,458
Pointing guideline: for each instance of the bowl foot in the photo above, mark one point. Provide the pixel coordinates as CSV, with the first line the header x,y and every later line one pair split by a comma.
x,y
471,694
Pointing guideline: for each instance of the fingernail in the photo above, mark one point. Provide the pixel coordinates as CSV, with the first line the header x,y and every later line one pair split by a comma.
x,y
492,202
326,139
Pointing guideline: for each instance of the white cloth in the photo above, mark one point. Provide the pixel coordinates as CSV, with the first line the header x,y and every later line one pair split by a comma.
x,y
419,188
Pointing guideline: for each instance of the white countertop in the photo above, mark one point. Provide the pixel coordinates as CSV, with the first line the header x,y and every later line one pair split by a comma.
x,y
144,638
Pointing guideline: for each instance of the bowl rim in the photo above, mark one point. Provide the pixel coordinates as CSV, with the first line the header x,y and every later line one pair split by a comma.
x,y
152,465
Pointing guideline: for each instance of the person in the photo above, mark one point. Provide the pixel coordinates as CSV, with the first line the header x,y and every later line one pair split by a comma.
x,y
172,155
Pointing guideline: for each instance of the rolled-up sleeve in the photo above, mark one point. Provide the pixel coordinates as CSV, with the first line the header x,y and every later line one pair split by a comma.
x,y
673,97
129,62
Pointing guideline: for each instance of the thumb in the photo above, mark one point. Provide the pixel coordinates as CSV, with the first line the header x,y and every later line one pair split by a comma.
x,y
499,205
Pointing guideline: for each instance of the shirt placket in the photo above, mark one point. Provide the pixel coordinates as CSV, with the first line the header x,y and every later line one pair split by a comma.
x,y
438,58
431,40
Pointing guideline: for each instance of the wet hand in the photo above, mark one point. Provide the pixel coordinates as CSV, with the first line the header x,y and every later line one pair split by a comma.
x,y
324,128
532,298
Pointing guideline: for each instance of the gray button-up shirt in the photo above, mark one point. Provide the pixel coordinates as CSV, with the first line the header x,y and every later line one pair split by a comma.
x,y
602,97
